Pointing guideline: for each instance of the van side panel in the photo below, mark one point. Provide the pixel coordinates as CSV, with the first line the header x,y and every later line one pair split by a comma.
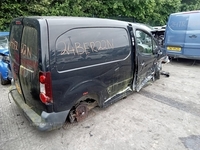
x,y
90,62
182,36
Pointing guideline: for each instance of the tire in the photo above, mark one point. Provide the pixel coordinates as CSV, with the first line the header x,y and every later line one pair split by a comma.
x,y
3,81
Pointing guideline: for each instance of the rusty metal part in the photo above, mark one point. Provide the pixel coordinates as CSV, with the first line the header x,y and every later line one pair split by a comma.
x,y
81,112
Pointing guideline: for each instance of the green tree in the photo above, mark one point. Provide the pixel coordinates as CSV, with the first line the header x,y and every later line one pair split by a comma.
x,y
188,5
14,8
163,9
154,12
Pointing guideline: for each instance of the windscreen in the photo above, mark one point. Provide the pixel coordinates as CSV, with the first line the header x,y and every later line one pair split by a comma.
x,y
29,48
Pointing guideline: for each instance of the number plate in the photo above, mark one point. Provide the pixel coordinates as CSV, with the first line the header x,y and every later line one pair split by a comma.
x,y
173,48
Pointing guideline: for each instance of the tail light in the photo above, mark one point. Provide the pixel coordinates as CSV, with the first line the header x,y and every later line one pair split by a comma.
x,y
45,87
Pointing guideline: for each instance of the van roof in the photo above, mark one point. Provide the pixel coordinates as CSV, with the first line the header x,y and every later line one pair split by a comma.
x,y
86,21
82,20
186,12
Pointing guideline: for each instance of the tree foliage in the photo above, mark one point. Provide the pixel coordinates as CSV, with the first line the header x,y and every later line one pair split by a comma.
x,y
153,12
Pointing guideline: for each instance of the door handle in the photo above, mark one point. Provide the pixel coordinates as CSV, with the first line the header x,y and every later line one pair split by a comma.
x,y
193,36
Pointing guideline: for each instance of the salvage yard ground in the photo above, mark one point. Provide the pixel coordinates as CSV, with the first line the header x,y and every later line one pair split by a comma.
x,y
165,115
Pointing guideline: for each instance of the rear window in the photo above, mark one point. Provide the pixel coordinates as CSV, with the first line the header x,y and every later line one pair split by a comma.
x,y
90,46
186,21
29,48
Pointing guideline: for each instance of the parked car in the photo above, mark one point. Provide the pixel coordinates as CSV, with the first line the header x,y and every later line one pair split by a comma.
x,y
5,73
52,83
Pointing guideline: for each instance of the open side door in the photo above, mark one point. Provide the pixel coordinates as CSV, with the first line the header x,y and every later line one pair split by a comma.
x,y
147,57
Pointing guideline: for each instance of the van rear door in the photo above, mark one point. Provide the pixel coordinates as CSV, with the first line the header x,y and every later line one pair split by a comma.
x,y
175,33
25,57
15,40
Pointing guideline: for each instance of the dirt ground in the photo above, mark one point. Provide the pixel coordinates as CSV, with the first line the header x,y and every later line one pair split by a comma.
x,y
165,115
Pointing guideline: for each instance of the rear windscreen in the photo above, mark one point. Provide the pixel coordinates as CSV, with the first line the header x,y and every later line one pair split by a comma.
x,y
188,21
90,46
29,48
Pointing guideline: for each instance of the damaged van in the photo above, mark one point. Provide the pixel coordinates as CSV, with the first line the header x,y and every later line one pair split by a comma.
x,y
64,66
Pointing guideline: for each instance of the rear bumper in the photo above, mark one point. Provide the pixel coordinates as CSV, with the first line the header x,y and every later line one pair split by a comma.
x,y
45,121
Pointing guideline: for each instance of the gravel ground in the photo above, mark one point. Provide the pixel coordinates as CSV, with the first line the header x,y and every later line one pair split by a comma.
x,y
165,115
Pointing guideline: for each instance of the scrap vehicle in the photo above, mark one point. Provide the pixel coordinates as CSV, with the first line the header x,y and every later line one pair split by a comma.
x,y
64,66
5,72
